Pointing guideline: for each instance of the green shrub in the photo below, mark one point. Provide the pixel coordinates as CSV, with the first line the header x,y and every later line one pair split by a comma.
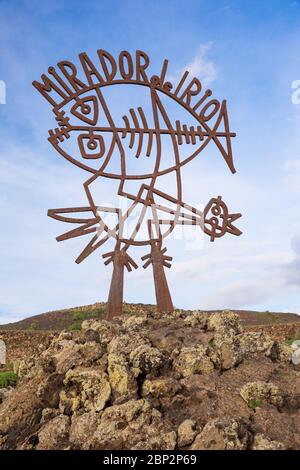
x,y
253,404
290,341
8,379
98,312
76,326
33,326
79,316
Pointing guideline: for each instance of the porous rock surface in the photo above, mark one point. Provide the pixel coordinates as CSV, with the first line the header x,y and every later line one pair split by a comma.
x,y
155,381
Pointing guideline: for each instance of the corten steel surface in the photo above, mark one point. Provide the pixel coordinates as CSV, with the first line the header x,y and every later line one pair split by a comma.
x,y
83,113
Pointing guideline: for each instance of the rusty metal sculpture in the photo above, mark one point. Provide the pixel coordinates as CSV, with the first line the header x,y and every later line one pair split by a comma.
x,y
84,118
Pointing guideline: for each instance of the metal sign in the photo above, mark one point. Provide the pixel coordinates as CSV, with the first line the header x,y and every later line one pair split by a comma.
x,y
92,135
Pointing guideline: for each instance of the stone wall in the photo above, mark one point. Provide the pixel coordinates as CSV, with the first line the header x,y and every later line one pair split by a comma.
x,y
279,332
21,344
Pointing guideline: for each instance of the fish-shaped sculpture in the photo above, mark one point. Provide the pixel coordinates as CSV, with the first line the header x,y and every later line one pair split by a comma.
x,y
103,141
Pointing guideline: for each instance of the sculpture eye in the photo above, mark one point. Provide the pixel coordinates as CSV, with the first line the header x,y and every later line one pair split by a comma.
x,y
91,146
86,109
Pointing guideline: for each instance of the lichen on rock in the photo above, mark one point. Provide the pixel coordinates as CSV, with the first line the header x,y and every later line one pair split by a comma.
x,y
121,378
134,322
160,387
124,343
193,360
132,425
105,329
84,388
222,435
226,319
226,351
197,319
147,359
262,392
252,342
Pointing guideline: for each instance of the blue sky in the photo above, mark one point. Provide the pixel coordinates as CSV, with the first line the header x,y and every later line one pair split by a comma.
x,y
248,53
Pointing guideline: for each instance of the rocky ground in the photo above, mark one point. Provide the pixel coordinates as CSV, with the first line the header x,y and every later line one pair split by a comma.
x,y
153,381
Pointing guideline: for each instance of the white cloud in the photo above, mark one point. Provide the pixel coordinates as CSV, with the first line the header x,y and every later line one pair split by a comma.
x,y
241,294
202,68
199,67
240,275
